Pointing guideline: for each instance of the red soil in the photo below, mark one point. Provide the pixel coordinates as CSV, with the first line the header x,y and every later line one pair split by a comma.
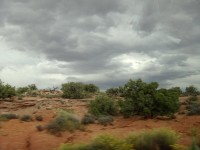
x,y
18,135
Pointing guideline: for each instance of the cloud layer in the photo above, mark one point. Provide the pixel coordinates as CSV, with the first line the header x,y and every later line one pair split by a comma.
x,y
105,42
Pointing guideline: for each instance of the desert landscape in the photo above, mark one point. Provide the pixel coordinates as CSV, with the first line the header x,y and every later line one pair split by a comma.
x,y
16,134
99,75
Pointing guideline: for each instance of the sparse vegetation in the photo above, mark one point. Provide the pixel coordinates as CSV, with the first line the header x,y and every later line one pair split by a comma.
x,y
88,119
38,118
73,90
112,92
30,90
64,121
193,108
134,98
6,90
8,116
105,120
103,142
26,118
33,93
195,139
103,105
162,139
22,90
115,92
91,88
191,91
78,90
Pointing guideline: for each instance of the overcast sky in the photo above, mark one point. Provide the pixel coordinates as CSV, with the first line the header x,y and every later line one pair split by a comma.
x,y
106,42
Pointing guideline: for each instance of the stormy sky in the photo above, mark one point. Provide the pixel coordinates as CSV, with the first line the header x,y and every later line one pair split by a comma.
x,y
106,42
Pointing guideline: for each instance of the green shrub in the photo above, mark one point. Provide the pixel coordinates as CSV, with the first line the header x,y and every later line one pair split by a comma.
x,y
179,147
30,90
22,90
38,118
26,118
158,139
8,116
6,91
107,142
144,99
74,147
105,120
193,109
32,87
176,90
112,92
102,105
73,90
78,90
115,91
87,119
127,107
91,88
33,93
103,142
64,121
191,90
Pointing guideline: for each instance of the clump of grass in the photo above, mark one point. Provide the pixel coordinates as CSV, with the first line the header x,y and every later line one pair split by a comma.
x,y
8,116
64,121
195,139
88,119
40,128
179,147
105,120
26,118
38,118
161,139
103,142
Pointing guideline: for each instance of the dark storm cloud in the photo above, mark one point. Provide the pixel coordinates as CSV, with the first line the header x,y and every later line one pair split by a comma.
x,y
88,35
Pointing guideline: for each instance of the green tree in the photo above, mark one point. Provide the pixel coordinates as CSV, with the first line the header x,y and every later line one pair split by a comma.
x,y
22,90
176,90
144,99
6,90
112,92
91,88
32,87
191,90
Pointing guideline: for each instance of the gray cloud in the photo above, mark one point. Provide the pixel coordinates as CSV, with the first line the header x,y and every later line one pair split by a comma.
x,y
86,36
